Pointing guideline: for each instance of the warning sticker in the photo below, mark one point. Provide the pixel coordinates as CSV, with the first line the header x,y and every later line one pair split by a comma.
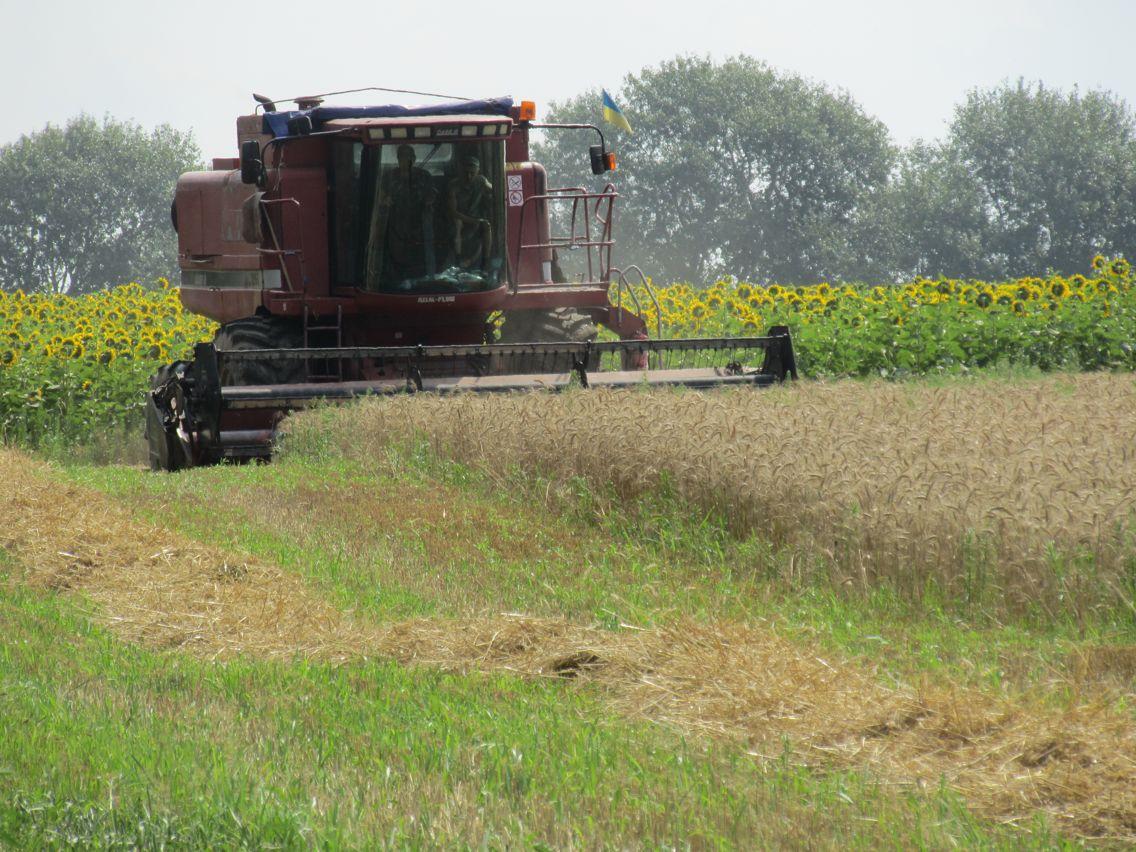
x,y
516,198
516,182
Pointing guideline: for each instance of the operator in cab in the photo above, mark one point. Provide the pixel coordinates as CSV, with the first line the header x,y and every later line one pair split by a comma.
x,y
470,203
406,203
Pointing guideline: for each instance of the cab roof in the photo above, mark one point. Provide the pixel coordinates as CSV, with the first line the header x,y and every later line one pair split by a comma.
x,y
276,123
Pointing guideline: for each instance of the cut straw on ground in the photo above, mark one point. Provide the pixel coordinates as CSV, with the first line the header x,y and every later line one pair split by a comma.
x,y
741,683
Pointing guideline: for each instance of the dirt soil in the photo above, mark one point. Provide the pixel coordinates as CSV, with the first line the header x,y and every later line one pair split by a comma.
x,y
741,682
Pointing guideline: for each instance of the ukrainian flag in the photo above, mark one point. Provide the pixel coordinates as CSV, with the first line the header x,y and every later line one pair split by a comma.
x,y
613,114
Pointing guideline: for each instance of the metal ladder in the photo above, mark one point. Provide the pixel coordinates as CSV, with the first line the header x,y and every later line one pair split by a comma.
x,y
324,369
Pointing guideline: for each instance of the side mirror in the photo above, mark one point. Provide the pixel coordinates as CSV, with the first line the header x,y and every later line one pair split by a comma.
x,y
602,161
252,166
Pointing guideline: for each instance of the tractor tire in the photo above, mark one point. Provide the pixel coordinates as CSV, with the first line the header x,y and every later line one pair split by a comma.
x,y
166,451
260,332
560,325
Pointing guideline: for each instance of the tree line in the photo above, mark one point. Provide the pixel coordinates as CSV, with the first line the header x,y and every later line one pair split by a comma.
x,y
87,205
733,168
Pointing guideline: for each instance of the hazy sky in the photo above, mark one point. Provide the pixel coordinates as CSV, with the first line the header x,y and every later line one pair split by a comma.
x,y
194,65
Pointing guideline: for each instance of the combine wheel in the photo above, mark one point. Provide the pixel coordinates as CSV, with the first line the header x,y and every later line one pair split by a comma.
x,y
166,451
260,332
561,325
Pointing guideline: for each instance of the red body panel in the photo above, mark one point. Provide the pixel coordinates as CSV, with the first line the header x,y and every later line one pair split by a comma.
x,y
220,305
209,206
527,223
303,227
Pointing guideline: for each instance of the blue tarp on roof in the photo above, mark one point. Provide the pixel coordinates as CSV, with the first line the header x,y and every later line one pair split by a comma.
x,y
277,122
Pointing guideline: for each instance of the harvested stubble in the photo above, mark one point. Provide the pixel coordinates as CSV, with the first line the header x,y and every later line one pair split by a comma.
x,y
740,682
1013,494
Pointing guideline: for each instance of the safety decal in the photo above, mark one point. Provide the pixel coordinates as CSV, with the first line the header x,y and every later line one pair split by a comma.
x,y
516,190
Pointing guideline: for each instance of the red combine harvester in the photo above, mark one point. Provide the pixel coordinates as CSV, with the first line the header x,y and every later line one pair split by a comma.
x,y
368,250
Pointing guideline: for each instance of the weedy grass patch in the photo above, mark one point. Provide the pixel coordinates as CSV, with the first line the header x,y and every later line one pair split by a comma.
x,y
248,712
729,682
113,745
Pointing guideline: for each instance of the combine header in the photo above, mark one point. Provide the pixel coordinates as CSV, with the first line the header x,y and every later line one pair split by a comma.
x,y
370,250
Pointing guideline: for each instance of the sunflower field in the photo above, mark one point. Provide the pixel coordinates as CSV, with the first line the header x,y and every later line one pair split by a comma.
x,y
926,326
72,366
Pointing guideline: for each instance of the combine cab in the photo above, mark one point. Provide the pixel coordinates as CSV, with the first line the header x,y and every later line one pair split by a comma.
x,y
364,250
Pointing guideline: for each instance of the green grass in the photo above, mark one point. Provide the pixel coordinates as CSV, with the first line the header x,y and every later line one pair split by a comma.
x,y
113,746
120,746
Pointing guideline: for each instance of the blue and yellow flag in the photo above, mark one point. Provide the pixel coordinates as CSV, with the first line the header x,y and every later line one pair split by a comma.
x,y
613,114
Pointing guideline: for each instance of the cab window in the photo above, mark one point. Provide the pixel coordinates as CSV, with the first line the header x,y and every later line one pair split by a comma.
x,y
419,218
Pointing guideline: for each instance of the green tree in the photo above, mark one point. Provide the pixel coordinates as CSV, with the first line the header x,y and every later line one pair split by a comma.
x,y
733,168
1028,179
87,205
1058,172
930,220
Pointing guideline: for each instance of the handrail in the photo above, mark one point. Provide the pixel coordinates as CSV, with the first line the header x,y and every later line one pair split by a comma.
x,y
602,241
622,282
284,254
646,282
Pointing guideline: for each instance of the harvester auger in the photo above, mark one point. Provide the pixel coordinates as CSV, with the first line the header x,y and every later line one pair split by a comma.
x,y
369,250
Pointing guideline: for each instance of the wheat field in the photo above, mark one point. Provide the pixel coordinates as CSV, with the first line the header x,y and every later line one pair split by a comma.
x,y
1016,494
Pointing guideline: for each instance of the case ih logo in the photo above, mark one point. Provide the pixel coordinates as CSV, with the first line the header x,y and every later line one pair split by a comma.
x,y
446,131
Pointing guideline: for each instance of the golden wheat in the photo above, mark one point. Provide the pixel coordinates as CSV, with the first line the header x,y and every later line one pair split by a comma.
x,y
1019,493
